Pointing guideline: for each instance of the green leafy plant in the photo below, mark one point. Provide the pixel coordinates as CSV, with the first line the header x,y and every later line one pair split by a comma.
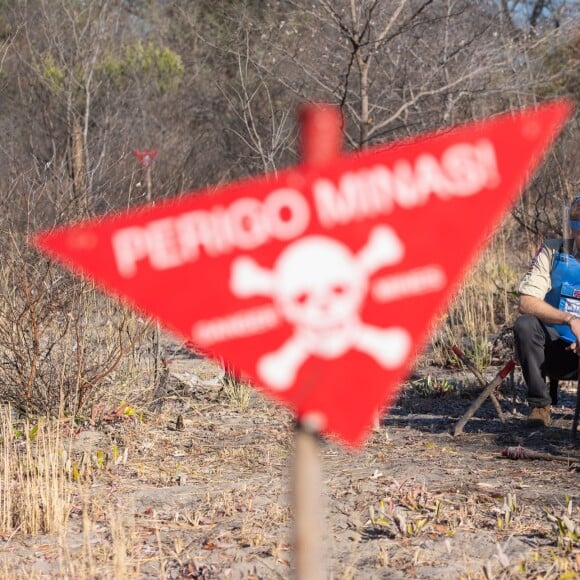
x,y
149,61
507,511
567,530
406,513
430,386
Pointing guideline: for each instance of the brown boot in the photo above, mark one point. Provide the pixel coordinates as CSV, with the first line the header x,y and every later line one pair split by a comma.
x,y
540,417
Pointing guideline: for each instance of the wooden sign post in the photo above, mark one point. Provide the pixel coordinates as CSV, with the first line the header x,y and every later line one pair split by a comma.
x,y
146,157
321,142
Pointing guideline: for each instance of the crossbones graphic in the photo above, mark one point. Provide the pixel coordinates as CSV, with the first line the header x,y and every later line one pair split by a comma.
x,y
319,285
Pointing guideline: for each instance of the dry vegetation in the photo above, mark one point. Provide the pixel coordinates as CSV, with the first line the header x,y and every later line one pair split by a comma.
x,y
131,493
111,470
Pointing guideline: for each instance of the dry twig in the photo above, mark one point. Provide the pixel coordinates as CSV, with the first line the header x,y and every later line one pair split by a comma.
x,y
520,452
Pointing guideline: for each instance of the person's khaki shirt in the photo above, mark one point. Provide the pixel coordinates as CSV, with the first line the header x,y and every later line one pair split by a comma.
x,y
537,281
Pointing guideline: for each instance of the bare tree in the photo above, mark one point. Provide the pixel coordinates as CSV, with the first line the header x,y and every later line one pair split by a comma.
x,y
394,68
266,130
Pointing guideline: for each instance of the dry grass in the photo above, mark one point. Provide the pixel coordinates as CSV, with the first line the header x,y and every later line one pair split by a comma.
x,y
486,300
45,495
135,518
237,392
35,495
63,345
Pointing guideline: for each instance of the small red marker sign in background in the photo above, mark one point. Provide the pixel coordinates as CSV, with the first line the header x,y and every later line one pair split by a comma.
x,y
146,157
320,284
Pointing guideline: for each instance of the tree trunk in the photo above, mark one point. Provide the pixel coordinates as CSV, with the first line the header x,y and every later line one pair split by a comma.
x,y
78,162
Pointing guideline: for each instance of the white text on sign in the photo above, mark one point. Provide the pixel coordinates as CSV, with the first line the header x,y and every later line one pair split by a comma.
x,y
245,224
462,170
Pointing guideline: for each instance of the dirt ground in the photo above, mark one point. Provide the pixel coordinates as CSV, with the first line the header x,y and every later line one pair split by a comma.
x,y
209,496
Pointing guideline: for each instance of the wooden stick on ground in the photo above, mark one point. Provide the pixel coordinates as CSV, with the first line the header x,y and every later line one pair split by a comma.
x,y
523,453
483,396
469,364
577,411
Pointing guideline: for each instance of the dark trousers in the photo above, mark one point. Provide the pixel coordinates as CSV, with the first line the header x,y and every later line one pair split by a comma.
x,y
541,354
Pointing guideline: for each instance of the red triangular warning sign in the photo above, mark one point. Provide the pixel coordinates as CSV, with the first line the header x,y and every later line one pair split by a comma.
x,y
320,284
146,157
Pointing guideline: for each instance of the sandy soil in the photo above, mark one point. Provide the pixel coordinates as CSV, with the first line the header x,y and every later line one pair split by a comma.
x,y
209,497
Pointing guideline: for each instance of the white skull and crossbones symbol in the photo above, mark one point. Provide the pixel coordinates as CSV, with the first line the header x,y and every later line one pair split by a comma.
x,y
319,286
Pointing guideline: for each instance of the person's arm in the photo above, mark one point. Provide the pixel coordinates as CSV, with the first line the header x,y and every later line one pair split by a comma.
x,y
547,313
542,310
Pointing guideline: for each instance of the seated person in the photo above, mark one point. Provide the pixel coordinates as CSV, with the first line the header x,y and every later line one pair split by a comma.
x,y
549,302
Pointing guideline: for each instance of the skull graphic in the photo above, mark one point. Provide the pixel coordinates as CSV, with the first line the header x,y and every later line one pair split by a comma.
x,y
319,286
